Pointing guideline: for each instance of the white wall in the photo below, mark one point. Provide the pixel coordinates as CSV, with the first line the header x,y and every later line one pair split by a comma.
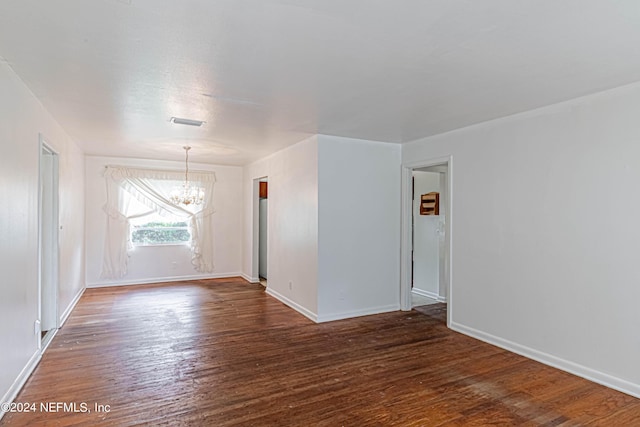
x,y
72,223
292,224
23,119
426,241
359,227
330,257
546,236
148,264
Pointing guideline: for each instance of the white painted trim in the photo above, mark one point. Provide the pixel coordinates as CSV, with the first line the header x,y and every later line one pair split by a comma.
x,y
357,313
405,237
297,307
428,294
425,163
249,278
44,344
163,280
48,337
70,308
602,378
406,210
22,378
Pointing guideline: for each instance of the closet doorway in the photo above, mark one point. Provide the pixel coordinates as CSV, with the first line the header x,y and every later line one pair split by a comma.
x,y
426,248
263,235
47,322
428,275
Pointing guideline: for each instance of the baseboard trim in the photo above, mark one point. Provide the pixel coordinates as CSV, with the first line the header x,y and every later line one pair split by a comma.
x,y
70,307
22,378
602,378
44,343
163,280
249,278
35,359
297,307
426,294
357,313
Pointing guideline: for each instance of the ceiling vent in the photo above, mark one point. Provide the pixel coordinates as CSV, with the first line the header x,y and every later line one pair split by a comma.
x,y
188,122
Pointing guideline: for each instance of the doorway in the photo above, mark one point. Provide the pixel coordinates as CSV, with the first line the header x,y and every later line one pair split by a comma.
x,y
428,215
426,234
47,322
263,236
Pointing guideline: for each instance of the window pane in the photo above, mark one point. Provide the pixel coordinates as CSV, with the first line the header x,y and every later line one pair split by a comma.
x,y
159,236
161,224
155,230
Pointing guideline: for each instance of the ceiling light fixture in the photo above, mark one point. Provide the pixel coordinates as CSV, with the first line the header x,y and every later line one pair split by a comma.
x,y
188,122
186,194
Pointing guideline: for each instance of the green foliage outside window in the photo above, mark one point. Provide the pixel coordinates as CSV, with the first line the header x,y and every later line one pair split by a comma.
x,y
159,233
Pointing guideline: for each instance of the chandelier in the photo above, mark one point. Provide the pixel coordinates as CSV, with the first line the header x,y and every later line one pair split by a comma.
x,y
187,194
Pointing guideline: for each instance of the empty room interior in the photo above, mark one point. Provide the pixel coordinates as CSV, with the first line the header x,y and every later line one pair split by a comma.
x,y
301,212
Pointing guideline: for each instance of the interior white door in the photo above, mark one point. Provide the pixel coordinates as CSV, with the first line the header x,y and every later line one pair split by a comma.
x,y
48,240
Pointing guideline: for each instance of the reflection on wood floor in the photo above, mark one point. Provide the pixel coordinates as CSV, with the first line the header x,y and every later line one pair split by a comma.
x,y
419,300
222,352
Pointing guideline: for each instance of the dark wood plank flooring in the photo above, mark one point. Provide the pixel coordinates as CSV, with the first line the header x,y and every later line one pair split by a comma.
x,y
223,353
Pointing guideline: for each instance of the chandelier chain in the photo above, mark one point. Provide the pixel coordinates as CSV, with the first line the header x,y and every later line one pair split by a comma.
x,y
186,162
187,194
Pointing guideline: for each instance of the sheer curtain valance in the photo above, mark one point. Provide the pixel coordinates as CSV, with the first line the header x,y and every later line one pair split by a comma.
x,y
133,192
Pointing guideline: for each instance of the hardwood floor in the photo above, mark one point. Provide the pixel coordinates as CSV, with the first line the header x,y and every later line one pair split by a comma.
x,y
223,353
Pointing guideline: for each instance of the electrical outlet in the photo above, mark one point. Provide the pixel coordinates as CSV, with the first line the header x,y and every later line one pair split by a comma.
x,y
290,285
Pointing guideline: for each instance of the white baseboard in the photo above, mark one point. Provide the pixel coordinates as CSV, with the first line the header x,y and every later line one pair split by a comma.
x,y
163,280
357,313
249,278
70,307
424,293
49,336
20,380
297,307
33,361
333,316
582,371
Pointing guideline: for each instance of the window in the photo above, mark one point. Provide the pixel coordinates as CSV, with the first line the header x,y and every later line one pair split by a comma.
x,y
154,230
133,195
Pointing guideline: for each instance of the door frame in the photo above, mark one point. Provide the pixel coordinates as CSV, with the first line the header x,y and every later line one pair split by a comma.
x,y
406,238
55,262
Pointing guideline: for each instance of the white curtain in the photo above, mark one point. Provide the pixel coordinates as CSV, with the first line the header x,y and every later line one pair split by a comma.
x,y
151,188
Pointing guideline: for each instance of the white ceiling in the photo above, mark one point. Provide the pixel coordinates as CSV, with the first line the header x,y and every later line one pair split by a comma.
x,y
264,74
